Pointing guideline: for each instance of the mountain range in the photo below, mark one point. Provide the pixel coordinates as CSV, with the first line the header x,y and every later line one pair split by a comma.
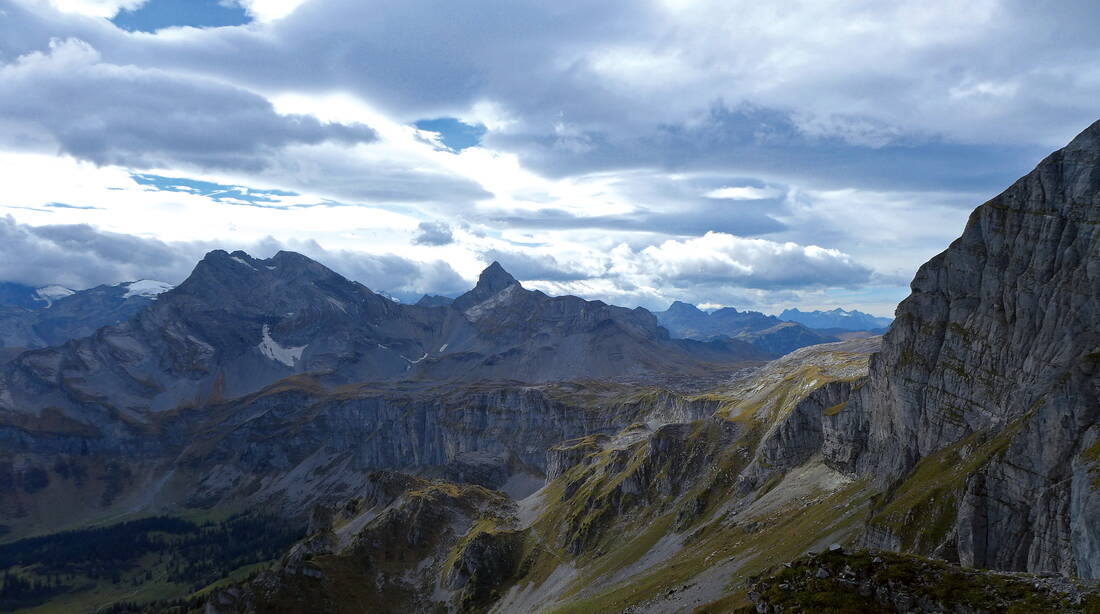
x,y
51,315
970,436
509,451
836,319
768,333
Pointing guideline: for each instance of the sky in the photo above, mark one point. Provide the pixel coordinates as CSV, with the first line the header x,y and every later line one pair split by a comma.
x,y
724,153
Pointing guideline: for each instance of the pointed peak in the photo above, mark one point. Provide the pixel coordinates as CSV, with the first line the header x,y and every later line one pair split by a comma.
x,y
494,275
493,280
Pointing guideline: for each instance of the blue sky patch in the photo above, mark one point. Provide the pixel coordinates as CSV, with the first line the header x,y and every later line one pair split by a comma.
x,y
455,135
157,14
218,192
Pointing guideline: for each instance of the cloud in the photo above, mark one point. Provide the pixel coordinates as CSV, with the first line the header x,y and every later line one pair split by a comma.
x,y
111,114
718,258
623,120
532,265
81,256
433,233
743,193
96,8
715,268
399,276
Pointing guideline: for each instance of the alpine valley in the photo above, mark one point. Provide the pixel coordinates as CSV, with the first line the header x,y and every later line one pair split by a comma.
x,y
270,437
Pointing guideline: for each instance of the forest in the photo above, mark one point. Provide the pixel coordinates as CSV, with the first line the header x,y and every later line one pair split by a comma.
x,y
160,549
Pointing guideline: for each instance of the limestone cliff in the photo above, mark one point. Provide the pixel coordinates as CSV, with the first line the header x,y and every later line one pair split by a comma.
x,y
979,416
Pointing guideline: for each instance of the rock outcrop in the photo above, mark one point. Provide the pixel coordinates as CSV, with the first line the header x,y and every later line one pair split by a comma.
x,y
870,582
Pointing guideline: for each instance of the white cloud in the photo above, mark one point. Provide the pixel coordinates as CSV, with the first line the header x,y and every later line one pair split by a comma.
x,y
717,258
895,231
96,8
744,193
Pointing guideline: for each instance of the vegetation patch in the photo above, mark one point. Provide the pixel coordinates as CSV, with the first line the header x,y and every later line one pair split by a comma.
x,y
865,582
930,493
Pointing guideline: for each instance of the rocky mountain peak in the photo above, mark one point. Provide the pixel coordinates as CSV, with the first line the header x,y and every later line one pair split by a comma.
x,y
221,276
492,280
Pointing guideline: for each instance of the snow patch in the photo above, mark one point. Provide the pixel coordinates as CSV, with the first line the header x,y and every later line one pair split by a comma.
x,y
148,288
413,362
242,261
49,294
271,348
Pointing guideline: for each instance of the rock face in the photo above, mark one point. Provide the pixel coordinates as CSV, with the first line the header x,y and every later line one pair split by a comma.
x,y
295,443
981,410
769,334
